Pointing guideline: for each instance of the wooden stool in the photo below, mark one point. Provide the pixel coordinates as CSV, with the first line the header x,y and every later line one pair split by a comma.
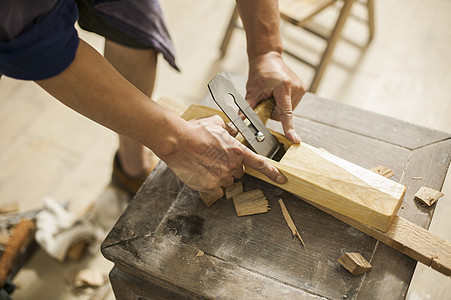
x,y
299,13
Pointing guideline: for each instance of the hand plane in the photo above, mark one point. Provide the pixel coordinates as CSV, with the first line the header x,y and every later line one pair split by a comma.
x,y
315,175
252,128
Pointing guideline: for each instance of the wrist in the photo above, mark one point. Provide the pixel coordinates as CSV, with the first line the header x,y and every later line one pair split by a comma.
x,y
167,135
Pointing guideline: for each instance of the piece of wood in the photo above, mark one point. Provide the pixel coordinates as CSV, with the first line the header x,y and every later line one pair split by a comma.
x,y
330,181
355,263
290,222
235,189
407,238
200,253
383,171
428,196
208,198
250,203
20,236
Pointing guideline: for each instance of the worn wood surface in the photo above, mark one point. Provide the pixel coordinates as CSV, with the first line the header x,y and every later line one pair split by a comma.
x,y
157,238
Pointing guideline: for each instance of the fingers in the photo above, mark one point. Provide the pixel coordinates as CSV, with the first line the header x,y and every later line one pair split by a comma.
x,y
231,129
258,163
283,111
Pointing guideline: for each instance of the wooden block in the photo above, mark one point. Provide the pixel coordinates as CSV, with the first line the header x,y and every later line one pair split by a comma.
x,y
289,221
235,189
328,180
427,196
250,203
355,263
384,171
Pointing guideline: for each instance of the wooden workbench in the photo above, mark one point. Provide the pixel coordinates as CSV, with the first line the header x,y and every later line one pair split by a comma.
x,y
155,242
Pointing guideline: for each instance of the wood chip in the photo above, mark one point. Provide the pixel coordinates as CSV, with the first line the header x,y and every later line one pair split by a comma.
x,y
428,196
250,203
200,253
290,222
355,263
89,278
383,170
235,189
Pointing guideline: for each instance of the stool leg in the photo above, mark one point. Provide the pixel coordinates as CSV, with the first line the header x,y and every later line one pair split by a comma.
x,y
370,4
228,33
331,42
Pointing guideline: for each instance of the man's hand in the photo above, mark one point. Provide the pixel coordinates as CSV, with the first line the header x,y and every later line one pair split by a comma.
x,y
207,157
269,76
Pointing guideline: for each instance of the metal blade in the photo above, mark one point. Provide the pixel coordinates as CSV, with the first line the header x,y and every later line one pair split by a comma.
x,y
254,131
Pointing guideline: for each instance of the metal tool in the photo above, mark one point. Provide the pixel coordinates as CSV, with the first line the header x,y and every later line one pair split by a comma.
x,y
252,128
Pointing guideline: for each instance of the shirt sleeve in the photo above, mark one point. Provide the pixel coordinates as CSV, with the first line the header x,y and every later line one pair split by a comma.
x,y
46,48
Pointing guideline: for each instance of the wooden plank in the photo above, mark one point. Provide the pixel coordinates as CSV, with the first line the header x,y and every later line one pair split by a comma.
x,y
374,125
407,238
332,182
207,277
429,164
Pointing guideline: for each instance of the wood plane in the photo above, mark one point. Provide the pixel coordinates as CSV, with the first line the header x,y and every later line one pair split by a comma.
x,y
328,180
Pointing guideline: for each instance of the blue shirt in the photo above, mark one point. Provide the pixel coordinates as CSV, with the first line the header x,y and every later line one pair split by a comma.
x,y
38,39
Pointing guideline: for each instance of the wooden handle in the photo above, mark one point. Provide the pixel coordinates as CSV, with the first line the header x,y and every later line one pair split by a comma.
x,y
264,109
20,236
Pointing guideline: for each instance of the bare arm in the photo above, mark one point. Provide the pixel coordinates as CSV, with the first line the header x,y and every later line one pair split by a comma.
x,y
91,86
268,73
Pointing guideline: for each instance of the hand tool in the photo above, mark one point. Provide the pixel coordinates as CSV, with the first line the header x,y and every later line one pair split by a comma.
x,y
253,128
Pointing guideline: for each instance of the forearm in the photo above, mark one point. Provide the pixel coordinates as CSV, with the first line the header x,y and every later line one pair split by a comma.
x,y
92,87
261,21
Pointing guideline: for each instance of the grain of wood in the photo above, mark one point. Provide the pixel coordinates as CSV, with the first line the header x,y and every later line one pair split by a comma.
x,y
20,236
290,222
407,238
235,189
384,171
427,196
355,263
250,203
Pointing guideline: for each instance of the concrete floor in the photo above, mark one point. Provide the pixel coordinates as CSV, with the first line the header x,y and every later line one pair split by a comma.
x,y
48,150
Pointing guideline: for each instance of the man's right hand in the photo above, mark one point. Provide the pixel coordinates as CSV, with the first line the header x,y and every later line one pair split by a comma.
x,y
207,157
